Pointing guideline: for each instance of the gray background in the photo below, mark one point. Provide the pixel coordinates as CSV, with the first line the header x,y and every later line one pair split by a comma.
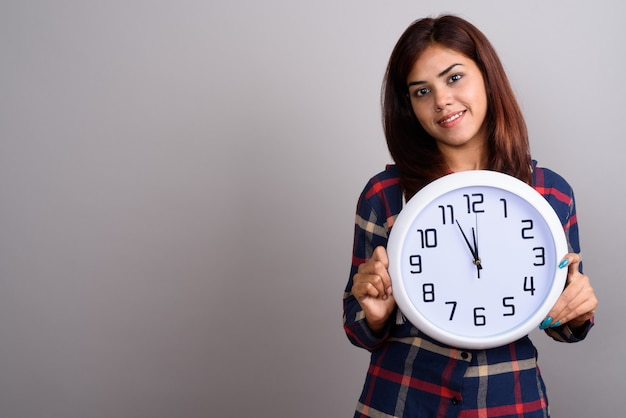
x,y
178,182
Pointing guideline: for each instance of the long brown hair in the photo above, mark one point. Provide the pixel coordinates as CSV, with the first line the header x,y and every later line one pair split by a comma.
x,y
414,151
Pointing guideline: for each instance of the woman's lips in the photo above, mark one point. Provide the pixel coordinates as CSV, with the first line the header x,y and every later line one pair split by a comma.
x,y
452,119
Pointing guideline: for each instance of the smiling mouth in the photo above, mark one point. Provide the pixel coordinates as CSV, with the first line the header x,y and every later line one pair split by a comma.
x,y
451,118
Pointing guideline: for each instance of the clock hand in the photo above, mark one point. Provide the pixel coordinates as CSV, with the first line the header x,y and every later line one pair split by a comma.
x,y
474,254
476,260
475,243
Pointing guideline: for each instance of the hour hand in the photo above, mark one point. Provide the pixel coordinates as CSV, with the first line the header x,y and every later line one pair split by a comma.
x,y
473,250
476,256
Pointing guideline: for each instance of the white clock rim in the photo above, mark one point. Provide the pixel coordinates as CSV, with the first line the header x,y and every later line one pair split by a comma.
x,y
435,189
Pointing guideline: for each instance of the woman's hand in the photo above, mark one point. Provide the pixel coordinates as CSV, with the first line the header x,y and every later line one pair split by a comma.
x,y
372,289
577,304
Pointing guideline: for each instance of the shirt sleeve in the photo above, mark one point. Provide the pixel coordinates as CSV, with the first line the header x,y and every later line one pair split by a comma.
x,y
370,231
560,195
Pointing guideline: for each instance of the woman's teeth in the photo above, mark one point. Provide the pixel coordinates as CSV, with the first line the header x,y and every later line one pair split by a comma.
x,y
451,118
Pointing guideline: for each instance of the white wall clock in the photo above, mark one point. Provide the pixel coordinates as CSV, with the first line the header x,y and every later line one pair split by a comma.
x,y
473,259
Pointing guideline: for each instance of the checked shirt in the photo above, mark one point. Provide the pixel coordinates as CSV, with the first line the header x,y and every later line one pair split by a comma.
x,y
412,375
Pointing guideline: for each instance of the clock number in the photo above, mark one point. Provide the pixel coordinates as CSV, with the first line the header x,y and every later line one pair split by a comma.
x,y
508,305
443,213
473,203
529,285
453,303
541,256
528,228
479,320
428,290
428,237
506,213
416,261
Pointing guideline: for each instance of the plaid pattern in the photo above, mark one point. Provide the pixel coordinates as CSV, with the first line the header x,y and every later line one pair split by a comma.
x,y
411,375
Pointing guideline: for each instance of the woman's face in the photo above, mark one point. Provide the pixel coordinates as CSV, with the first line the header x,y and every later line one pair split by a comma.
x,y
448,97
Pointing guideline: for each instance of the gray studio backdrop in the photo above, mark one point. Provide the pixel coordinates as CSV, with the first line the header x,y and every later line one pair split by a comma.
x,y
178,182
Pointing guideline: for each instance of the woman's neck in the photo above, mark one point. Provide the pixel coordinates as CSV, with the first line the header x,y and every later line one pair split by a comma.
x,y
458,160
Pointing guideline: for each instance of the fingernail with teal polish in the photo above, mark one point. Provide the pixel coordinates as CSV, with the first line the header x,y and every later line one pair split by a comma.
x,y
556,324
546,322
563,263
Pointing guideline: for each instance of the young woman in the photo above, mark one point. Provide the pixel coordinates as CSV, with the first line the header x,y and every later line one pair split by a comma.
x,y
448,107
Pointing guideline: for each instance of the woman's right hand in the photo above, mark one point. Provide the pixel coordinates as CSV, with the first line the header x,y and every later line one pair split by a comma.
x,y
372,289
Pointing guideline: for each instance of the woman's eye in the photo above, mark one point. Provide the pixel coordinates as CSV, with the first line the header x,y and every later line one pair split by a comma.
x,y
454,78
421,92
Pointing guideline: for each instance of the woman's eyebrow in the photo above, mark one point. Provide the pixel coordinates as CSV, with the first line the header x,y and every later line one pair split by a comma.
x,y
441,74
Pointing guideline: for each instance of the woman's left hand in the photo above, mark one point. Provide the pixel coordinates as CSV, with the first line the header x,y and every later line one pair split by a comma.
x,y
577,304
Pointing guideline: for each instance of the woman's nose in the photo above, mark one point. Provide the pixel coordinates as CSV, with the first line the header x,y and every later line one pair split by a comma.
x,y
443,98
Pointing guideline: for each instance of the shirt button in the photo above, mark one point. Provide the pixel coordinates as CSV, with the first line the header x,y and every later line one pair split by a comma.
x,y
464,355
455,401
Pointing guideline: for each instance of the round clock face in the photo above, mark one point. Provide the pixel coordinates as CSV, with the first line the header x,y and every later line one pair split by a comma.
x,y
473,259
